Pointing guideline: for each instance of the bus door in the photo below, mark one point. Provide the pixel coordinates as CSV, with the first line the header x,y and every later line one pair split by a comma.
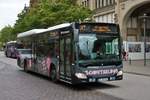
x,y
33,56
65,56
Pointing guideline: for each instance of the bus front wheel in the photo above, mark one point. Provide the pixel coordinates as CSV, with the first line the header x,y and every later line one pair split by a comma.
x,y
53,74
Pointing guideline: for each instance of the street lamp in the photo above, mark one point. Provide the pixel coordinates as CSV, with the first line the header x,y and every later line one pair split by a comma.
x,y
144,17
25,8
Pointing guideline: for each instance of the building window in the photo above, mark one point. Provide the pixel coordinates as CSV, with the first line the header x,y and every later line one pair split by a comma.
x,y
101,3
97,3
112,2
82,3
104,3
109,18
108,2
96,19
85,3
100,19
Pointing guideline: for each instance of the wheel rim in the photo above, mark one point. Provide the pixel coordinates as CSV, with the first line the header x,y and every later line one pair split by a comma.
x,y
53,74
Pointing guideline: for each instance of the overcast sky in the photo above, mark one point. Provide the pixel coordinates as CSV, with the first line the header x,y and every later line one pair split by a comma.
x,y
9,10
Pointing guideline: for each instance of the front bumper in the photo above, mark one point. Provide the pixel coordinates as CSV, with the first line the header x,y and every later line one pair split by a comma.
x,y
96,79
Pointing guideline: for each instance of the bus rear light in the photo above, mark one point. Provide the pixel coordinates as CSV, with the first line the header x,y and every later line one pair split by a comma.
x,y
81,75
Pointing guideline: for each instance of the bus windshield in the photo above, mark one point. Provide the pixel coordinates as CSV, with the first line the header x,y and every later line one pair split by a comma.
x,y
99,47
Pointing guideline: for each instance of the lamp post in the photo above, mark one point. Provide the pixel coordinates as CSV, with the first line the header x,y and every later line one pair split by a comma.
x,y
144,17
25,8
144,38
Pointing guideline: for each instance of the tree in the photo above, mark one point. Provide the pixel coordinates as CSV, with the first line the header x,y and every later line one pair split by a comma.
x,y
50,12
6,34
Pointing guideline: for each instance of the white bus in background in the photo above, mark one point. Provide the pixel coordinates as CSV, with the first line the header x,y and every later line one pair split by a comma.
x,y
11,49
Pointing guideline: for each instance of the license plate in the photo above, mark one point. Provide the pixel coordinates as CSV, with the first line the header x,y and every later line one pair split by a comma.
x,y
102,79
112,78
92,80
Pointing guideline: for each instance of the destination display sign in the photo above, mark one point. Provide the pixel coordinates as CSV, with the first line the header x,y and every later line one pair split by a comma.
x,y
98,28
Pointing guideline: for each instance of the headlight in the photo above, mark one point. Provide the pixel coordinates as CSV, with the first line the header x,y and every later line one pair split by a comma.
x,y
81,75
120,73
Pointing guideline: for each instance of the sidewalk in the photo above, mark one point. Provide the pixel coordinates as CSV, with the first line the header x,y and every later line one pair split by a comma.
x,y
137,67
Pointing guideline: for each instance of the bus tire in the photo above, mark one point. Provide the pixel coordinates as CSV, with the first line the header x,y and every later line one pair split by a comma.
x,y
18,61
25,66
53,74
11,55
6,55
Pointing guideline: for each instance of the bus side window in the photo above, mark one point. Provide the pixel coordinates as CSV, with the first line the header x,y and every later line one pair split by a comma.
x,y
40,50
57,48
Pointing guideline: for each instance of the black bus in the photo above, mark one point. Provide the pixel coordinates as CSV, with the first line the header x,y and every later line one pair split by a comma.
x,y
75,52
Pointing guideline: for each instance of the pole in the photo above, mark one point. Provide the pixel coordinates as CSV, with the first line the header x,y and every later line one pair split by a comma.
x,y
144,17
144,39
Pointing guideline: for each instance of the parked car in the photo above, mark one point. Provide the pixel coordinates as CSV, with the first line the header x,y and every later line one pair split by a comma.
x,y
22,55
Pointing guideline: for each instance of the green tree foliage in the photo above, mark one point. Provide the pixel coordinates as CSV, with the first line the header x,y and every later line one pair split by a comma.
x,y
6,34
50,12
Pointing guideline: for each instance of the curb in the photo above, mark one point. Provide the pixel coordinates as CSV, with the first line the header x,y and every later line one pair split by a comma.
x,y
135,73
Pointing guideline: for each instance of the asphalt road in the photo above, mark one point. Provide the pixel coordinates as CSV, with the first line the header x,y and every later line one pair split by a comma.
x,y
15,84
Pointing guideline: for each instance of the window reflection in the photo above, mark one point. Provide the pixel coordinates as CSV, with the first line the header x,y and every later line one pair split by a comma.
x,y
98,47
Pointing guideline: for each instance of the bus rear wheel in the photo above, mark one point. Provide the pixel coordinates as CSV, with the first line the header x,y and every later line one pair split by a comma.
x,y
18,61
53,74
25,66
6,54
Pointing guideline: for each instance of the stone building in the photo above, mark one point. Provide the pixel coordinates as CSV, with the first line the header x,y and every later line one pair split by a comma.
x,y
104,10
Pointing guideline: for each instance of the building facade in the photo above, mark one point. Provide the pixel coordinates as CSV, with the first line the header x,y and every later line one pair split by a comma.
x,y
104,10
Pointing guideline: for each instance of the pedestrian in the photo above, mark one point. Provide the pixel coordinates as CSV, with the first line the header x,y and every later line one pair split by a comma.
x,y
124,54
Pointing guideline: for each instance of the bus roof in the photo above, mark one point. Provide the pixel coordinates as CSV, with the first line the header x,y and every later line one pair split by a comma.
x,y
30,32
38,31
11,42
59,26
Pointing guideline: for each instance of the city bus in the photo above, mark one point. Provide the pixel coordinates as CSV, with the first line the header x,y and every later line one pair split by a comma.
x,y
75,52
11,49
